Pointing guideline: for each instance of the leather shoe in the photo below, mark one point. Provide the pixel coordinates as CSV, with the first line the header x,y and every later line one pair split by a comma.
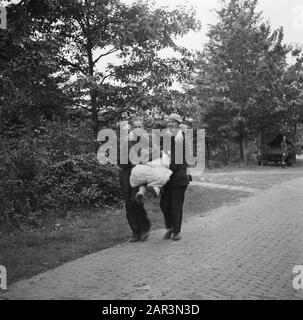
x,y
144,236
135,238
176,237
168,234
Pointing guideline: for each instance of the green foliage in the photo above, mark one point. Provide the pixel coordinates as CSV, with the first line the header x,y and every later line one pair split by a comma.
x,y
74,38
28,88
53,172
241,85
52,69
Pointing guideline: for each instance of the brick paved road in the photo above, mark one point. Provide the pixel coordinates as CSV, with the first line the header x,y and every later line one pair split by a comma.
x,y
244,251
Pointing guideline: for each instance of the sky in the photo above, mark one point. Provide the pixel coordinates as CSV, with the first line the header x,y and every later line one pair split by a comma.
x,y
286,13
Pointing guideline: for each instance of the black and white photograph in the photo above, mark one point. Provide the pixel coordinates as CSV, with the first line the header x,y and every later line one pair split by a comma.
x,y
151,153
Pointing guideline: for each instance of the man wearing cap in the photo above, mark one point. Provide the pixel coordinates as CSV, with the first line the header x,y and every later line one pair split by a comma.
x,y
135,212
173,194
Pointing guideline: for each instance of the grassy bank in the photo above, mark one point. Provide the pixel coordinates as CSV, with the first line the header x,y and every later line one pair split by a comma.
x,y
31,251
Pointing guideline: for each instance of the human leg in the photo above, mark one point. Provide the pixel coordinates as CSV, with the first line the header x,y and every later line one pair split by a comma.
x,y
284,157
131,215
165,208
176,202
140,216
139,197
132,220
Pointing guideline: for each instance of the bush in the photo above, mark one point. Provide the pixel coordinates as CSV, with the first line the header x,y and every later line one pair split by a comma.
x,y
81,180
52,172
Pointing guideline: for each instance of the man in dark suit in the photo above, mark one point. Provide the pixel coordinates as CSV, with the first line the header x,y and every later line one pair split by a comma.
x,y
135,212
172,198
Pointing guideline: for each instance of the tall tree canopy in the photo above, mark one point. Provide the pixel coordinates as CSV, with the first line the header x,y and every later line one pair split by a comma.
x,y
239,81
28,87
74,37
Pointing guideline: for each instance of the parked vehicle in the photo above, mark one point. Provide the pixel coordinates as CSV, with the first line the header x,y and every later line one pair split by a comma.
x,y
271,152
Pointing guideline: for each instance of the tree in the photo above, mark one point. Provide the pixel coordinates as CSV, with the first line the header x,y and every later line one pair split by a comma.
x,y
292,91
238,73
82,34
29,90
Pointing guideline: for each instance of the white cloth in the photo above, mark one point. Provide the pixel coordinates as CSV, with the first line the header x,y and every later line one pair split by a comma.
x,y
152,174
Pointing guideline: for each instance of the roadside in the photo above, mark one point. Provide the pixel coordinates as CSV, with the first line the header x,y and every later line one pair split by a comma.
x,y
32,251
252,179
247,251
242,168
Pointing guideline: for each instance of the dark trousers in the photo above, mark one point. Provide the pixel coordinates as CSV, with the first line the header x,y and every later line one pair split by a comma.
x,y
284,158
136,215
171,204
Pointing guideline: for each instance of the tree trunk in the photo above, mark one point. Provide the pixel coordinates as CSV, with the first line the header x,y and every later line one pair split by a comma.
x,y
295,132
242,143
228,150
93,95
241,149
245,151
95,121
207,150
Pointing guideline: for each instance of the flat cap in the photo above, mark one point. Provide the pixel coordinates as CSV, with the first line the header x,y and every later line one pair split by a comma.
x,y
175,117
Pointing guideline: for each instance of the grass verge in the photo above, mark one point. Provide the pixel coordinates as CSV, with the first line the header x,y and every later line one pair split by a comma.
x,y
29,252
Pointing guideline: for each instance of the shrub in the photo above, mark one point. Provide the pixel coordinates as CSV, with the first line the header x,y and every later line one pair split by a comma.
x,y
81,180
52,172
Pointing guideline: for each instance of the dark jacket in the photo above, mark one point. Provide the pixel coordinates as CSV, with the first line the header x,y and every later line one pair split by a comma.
x,y
179,176
126,150
128,165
